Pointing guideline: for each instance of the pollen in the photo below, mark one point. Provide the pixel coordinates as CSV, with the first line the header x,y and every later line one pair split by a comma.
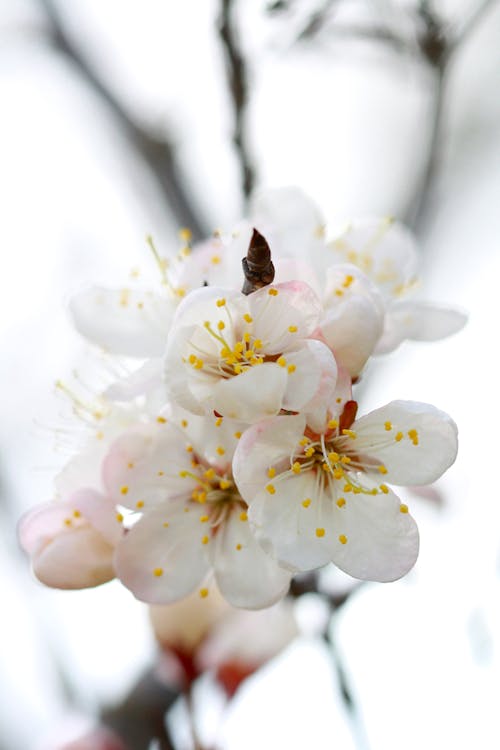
x,y
341,502
192,358
210,473
185,234
339,292
165,524
343,539
183,474
205,539
348,488
384,488
119,517
333,456
306,503
124,490
158,572
413,435
403,508
220,450
130,465
320,532
221,302
139,504
248,318
238,547
281,361
382,469
293,329
224,484
338,473
215,259
333,424
271,472
348,281
218,421
203,519
271,489
309,452
350,433
273,292
203,593
304,441
221,325
67,522
189,448
237,435
345,460
399,436
184,423
296,467
388,426
246,338
291,368
243,516
77,514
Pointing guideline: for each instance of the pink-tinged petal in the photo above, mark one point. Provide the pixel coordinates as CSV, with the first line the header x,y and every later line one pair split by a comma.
x,y
289,220
315,370
162,558
374,538
419,321
283,313
201,305
351,329
247,577
99,511
264,445
147,465
180,384
130,322
288,269
255,394
293,521
143,380
43,522
414,442
384,249
76,559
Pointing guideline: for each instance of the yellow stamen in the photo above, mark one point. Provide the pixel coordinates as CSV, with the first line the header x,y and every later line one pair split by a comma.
x,y
343,539
158,572
320,532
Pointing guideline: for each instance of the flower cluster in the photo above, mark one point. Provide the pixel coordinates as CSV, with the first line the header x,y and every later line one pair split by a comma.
x,y
232,450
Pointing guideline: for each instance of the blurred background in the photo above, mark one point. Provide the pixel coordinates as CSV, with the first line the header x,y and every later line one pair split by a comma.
x,y
120,119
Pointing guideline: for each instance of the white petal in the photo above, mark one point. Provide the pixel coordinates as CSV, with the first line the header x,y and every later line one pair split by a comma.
x,y
418,446
295,305
351,329
255,394
246,575
99,511
373,539
288,269
77,559
143,466
266,444
143,380
315,369
130,322
419,321
293,523
161,563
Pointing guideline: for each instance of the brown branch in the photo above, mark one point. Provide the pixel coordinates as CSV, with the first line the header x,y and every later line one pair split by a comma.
x,y
155,152
257,266
238,87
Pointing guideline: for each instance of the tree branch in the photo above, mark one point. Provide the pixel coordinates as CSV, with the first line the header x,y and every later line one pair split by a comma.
x,y
466,28
238,87
155,152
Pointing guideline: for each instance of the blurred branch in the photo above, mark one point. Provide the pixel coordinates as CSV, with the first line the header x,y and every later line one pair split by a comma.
x,y
238,87
317,20
154,151
468,26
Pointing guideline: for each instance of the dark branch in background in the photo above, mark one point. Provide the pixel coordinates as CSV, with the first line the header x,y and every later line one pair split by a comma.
x,y
317,20
155,152
238,88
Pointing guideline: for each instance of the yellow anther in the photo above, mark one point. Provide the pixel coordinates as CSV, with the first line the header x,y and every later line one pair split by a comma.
x,y
304,441
185,234
210,473
320,532
187,509
243,516
183,473
192,359
199,364
343,539
273,292
345,460
384,488
221,325
296,467
271,489
382,469
309,452
165,524
248,318
333,456
349,433
281,361
215,259
203,519
413,435
77,514
246,338
202,496
326,467
189,448
119,517
124,490
68,521
140,305
348,281
338,473
204,539
306,503
203,593
238,547
357,490
291,368
348,488
257,344
388,426
220,450
218,421
158,572
139,504
339,292
184,422
99,435
237,435
333,424
224,484
238,369
239,347
403,508
341,502
399,436
249,354
180,291
160,473
130,465
271,472
293,329
221,302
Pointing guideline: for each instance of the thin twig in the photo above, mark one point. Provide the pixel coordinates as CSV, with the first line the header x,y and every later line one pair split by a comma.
x,y
238,87
155,152
466,28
